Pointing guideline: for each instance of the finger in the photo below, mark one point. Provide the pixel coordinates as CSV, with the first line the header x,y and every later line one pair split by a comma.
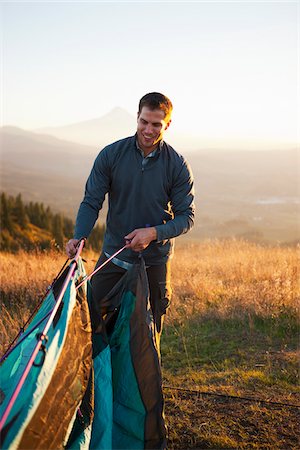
x,y
127,243
131,235
132,244
136,245
70,253
70,249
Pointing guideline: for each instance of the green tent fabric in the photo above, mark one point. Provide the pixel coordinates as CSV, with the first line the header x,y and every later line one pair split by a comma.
x,y
128,399
54,387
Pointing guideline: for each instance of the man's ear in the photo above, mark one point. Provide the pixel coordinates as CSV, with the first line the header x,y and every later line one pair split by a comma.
x,y
168,124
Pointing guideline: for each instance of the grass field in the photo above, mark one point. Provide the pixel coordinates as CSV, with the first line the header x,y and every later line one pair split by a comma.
x,y
232,330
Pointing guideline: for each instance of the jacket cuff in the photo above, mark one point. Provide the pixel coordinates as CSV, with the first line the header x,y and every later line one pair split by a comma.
x,y
160,229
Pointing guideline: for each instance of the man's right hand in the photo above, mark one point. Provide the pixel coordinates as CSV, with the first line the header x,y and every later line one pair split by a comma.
x,y
71,247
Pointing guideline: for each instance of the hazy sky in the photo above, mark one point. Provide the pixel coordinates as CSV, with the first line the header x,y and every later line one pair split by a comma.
x,y
230,68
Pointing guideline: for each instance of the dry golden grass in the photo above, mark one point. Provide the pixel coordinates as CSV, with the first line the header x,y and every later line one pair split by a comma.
x,y
229,278
24,279
232,327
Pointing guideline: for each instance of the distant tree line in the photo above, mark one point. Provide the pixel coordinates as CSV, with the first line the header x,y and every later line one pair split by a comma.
x,y
32,225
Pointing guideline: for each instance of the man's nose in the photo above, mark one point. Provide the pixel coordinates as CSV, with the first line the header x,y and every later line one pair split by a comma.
x,y
149,128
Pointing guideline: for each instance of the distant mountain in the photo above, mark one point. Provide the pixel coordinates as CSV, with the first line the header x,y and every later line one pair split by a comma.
x,y
44,168
40,152
116,124
119,123
248,194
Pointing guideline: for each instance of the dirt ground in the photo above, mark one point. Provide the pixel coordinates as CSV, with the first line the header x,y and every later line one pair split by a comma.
x,y
199,422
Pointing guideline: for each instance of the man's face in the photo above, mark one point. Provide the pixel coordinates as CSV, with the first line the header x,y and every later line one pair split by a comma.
x,y
151,125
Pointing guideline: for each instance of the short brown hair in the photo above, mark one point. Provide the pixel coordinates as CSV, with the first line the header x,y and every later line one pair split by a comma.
x,y
155,100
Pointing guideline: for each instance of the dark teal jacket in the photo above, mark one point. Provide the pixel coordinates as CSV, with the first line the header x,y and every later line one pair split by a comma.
x,y
158,194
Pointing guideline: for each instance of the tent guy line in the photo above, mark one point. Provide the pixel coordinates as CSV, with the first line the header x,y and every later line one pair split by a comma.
x,y
86,278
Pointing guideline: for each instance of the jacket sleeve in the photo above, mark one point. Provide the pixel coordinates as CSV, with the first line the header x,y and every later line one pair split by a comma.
x,y
96,187
182,204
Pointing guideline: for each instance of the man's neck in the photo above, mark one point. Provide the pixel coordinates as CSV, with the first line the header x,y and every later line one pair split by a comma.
x,y
147,151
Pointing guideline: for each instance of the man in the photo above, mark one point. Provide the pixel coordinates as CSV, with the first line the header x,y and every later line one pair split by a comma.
x,y
150,196
150,201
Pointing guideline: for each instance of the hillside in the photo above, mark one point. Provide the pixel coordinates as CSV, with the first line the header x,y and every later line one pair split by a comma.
x,y
254,195
33,226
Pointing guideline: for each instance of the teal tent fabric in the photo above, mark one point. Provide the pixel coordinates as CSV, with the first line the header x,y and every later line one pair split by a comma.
x,y
128,399
41,415
97,390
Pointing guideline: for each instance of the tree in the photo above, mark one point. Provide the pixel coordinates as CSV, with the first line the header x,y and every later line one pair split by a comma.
x,y
5,213
47,219
68,227
20,212
35,216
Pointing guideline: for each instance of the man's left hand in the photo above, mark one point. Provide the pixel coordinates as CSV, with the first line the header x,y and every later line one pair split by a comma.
x,y
141,238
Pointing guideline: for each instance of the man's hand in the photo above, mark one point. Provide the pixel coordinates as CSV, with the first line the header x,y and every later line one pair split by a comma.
x,y
141,238
71,247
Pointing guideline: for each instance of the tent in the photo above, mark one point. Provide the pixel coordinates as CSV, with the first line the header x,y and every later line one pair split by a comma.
x,y
92,390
